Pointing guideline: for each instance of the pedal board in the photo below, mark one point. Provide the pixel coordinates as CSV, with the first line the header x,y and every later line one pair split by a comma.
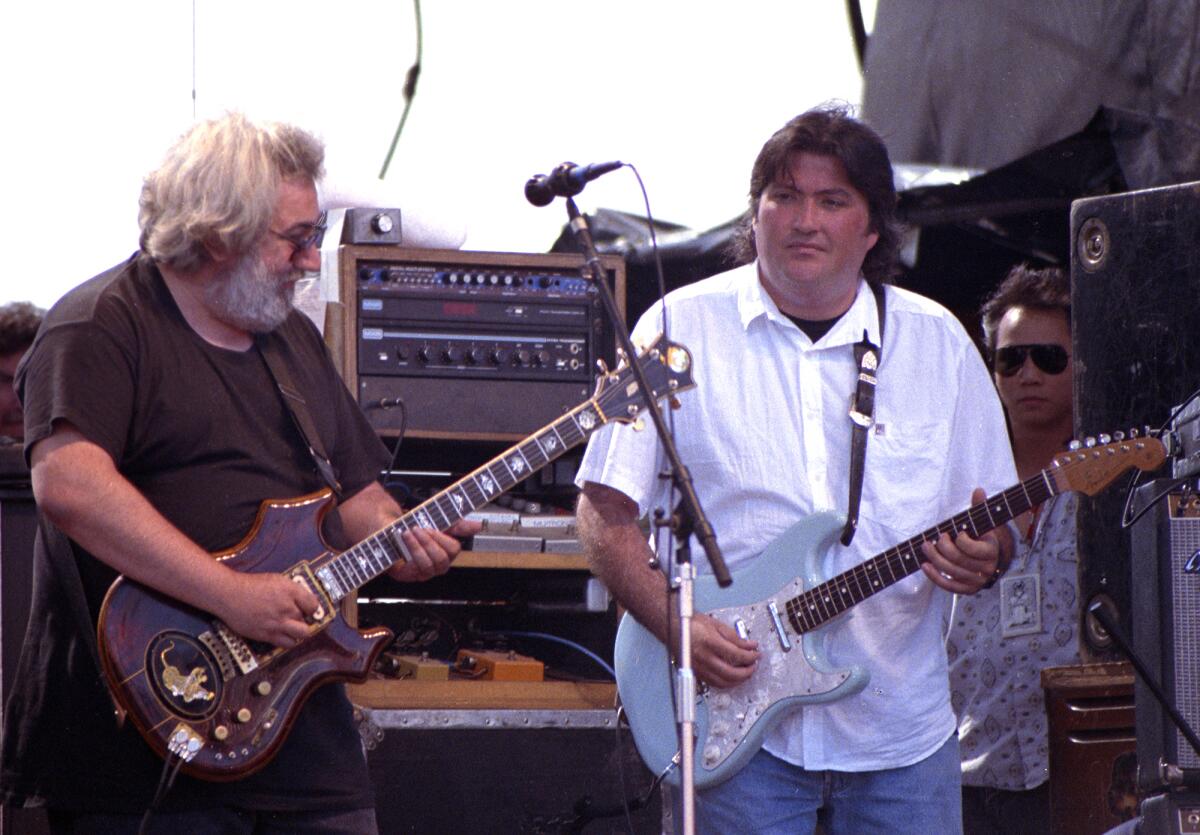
x,y
492,665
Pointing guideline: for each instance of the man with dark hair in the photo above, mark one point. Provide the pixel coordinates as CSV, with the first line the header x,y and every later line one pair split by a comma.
x,y
18,325
768,440
154,431
1001,639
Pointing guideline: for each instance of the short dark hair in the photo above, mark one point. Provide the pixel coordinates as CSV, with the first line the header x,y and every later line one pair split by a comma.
x,y
830,130
1035,288
19,322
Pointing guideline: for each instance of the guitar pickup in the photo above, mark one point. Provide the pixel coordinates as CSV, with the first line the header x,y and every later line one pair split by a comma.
x,y
302,575
742,630
780,631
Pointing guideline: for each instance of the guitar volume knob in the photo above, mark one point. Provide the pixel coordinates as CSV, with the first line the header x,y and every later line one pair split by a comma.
x,y
263,688
244,715
221,733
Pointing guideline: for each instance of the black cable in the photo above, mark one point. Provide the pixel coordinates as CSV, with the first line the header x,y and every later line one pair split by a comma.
x,y
1126,520
409,91
395,403
858,30
669,562
166,779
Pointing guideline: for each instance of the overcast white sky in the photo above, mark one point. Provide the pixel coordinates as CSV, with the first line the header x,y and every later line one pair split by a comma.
x,y
94,92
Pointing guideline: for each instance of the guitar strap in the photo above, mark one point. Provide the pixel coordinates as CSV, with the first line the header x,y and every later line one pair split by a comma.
x,y
862,410
297,407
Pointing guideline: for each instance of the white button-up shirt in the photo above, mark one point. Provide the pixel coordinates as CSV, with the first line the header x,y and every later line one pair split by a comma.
x,y
766,436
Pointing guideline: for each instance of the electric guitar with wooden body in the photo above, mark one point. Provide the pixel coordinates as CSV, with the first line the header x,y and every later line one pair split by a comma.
x,y
223,705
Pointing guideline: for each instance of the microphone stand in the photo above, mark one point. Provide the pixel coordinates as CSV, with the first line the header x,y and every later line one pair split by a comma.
x,y
688,518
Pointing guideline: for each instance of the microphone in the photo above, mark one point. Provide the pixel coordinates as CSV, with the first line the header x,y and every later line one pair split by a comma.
x,y
566,180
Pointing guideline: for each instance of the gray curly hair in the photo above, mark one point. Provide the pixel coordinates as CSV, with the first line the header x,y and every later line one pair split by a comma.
x,y
218,185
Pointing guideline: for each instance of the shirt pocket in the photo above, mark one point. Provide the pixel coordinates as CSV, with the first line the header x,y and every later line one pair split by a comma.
x,y
905,471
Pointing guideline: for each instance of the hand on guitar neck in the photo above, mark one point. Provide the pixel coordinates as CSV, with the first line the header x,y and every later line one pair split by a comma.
x,y
963,565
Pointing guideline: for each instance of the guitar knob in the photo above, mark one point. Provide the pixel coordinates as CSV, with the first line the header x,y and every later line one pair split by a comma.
x,y
244,715
1106,439
263,688
221,733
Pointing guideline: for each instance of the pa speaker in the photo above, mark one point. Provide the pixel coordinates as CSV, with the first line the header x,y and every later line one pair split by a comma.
x,y
1166,633
1135,299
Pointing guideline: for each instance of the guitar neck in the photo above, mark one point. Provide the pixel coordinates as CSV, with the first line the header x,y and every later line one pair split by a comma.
x,y
347,571
821,603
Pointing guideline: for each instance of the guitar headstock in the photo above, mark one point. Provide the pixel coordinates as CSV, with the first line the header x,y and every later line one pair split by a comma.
x,y
1094,465
667,367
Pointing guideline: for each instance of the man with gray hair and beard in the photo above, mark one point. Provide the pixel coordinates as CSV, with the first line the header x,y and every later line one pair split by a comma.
x,y
154,430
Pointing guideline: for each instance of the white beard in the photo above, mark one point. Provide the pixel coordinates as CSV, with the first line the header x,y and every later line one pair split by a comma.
x,y
250,297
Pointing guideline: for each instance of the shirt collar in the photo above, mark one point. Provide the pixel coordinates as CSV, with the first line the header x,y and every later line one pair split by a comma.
x,y
754,303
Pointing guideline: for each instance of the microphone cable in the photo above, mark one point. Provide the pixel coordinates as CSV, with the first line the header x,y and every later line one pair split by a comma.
x,y
409,90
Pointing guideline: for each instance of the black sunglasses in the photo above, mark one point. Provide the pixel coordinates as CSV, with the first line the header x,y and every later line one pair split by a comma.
x,y
1052,359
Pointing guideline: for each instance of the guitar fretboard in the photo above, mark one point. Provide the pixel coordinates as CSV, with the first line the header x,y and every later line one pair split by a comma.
x,y
812,608
370,558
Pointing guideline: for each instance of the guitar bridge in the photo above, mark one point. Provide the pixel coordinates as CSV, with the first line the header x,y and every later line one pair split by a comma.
x,y
224,657
238,649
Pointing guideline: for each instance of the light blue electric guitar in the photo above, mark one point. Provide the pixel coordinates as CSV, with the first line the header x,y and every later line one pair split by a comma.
x,y
784,613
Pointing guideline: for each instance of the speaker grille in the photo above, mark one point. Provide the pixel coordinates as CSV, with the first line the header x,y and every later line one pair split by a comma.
x,y
1184,606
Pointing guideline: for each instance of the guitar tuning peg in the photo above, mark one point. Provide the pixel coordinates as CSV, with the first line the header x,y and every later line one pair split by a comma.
x,y
1074,445
1119,436
1089,442
1105,438
1133,433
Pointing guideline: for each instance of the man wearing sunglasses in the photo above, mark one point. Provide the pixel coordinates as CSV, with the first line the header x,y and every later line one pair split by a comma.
x,y
155,428
1002,637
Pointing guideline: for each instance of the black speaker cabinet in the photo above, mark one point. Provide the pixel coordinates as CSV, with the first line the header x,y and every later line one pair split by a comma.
x,y
18,525
1135,290
508,772
1166,635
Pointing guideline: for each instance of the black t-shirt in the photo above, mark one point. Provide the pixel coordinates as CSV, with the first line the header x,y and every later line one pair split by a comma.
x,y
203,433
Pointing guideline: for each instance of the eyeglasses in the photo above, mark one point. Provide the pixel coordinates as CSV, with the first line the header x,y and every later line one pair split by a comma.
x,y
303,242
1052,359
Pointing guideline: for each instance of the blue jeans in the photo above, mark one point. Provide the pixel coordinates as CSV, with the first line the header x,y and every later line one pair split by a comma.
x,y
770,796
218,820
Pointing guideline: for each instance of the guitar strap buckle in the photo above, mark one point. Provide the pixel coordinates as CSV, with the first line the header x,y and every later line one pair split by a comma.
x,y
862,413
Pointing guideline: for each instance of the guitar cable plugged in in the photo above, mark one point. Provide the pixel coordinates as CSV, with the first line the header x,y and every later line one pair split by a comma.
x,y
184,742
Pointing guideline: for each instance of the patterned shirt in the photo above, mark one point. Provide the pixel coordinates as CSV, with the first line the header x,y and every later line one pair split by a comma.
x,y
995,681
